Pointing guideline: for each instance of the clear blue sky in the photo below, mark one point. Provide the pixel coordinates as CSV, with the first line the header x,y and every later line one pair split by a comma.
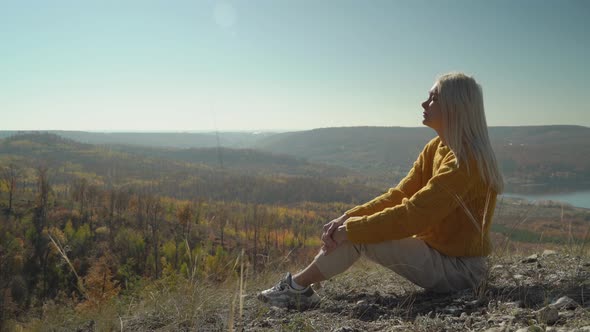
x,y
229,65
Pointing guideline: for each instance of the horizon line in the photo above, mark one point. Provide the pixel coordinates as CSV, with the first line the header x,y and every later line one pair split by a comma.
x,y
275,130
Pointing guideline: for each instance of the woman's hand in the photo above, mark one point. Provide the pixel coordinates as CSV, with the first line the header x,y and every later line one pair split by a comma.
x,y
328,240
339,236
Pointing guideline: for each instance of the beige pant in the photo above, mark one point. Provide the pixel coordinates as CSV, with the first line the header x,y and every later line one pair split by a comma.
x,y
411,258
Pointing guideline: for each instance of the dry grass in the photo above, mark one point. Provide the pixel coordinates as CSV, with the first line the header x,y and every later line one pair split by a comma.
x,y
176,303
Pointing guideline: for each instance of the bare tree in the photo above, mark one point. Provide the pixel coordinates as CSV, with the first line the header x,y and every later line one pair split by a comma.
x,y
10,175
79,194
154,213
40,222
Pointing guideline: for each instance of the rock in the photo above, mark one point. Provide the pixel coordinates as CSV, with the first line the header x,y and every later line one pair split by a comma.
x,y
552,278
518,276
532,328
366,311
567,314
475,303
266,323
565,302
345,329
361,302
501,320
548,315
514,305
559,329
452,310
547,253
497,267
497,329
531,259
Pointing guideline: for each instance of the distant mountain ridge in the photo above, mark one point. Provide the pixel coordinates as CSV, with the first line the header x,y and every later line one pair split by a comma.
x,y
547,158
550,158
246,175
158,139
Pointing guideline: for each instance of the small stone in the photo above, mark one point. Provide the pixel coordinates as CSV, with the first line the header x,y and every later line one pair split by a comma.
x,y
548,315
475,303
452,310
565,302
498,329
558,329
532,328
531,259
518,276
274,309
345,329
497,267
567,314
514,305
547,253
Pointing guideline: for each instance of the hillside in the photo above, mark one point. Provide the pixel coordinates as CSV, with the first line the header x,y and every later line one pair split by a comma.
x,y
151,239
242,175
243,161
534,159
546,291
182,140
552,158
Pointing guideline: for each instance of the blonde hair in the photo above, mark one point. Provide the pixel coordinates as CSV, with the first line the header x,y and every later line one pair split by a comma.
x,y
464,125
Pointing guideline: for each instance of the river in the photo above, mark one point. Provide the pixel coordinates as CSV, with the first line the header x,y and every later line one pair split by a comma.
x,y
579,199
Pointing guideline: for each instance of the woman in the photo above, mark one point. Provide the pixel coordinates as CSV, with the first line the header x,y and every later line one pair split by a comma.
x,y
433,228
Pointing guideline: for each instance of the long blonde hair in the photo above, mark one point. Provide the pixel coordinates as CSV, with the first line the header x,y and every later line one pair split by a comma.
x,y
464,125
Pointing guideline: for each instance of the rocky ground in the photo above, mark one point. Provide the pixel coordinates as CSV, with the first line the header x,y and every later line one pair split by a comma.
x,y
548,291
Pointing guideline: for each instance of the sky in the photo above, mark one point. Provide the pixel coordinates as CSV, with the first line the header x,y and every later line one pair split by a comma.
x,y
209,65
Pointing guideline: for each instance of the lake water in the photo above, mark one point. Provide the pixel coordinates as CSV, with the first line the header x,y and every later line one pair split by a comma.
x,y
579,199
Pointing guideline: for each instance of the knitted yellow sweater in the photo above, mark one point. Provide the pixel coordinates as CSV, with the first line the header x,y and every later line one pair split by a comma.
x,y
448,207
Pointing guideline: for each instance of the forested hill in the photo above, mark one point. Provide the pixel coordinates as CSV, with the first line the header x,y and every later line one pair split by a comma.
x,y
532,158
224,174
540,157
370,149
162,139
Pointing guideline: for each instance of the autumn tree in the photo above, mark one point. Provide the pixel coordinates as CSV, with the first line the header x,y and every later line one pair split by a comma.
x,y
185,216
182,228
99,284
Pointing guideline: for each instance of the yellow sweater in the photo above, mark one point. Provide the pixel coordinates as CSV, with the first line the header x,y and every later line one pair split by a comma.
x,y
438,202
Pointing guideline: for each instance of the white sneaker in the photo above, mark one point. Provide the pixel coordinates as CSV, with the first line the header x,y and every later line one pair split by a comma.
x,y
284,295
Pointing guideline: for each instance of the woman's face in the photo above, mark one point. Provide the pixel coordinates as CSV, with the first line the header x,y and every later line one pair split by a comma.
x,y
432,114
